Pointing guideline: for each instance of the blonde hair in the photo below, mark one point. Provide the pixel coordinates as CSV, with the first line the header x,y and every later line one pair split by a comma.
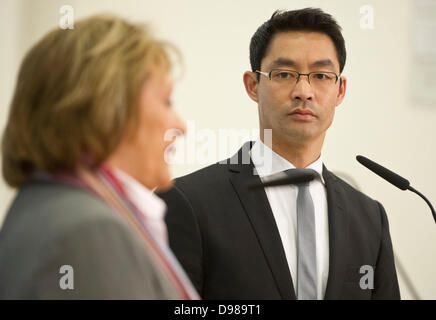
x,y
76,95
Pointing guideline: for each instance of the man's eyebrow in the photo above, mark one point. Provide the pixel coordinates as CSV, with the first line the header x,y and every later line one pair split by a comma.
x,y
323,63
280,62
286,62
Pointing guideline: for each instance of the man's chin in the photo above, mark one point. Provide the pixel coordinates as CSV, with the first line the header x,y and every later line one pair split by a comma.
x,y
300,136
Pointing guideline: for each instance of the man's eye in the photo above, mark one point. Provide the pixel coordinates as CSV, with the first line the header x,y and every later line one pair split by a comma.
x,y
285,75
321,76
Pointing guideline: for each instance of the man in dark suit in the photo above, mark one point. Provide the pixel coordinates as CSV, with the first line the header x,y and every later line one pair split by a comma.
x,y
321,240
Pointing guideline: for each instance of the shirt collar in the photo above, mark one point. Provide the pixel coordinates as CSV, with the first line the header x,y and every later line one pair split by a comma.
x,y
144,199
278,163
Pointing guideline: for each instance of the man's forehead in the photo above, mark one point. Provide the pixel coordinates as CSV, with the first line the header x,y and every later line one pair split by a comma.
x,y
297,37
297,47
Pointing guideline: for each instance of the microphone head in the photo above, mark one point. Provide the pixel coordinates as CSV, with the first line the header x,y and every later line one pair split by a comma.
x,y
292,176
386,174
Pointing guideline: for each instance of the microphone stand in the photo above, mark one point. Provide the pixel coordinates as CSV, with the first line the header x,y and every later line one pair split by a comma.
x,y
425,199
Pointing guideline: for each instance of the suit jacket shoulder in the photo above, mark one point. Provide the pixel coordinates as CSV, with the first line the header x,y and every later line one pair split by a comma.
x,y
50,225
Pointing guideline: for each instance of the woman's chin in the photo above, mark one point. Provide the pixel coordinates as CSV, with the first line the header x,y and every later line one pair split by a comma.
x,y
164,185
162,182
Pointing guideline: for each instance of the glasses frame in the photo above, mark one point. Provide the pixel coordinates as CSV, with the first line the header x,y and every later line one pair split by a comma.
x,y
268,74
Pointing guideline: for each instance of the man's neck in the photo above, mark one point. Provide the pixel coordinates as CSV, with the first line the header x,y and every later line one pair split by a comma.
x,y
299,154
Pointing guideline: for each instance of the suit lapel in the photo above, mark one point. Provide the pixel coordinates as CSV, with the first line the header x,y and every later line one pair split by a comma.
x,y
338,220
258,210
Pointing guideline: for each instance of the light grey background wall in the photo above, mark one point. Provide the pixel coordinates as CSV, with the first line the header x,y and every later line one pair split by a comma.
x,y
378,118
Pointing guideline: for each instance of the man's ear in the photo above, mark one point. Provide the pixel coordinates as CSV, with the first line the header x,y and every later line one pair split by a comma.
x,y
251,85
342,90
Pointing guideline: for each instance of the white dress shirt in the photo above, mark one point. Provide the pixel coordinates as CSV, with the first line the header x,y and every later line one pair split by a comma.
x,y
283,203
151,206
153,211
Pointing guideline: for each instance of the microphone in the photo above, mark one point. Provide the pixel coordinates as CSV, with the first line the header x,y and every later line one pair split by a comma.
x,y
393,178
293,176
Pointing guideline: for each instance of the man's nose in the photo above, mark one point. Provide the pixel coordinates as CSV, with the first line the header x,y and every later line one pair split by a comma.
x,y
302,89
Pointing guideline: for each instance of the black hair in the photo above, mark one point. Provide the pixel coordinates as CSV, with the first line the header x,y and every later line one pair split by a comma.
x,y
308,19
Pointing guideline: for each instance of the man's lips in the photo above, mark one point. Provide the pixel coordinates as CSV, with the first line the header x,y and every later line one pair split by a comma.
x,y
302,114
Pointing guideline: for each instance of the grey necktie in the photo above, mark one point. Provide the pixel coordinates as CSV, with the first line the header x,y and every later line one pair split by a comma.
x,y
306,244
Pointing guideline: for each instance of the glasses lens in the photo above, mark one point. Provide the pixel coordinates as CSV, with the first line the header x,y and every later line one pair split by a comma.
x,y
316,79
284,76
322,79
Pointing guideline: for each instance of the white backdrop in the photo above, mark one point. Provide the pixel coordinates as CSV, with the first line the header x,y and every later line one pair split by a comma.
x,y
377,118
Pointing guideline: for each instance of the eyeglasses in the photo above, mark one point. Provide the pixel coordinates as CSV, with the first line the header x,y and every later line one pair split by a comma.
x,y
317,79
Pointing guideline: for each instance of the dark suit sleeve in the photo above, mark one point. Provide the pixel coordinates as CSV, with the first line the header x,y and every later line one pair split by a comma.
x,y
108,262
184,234
386,282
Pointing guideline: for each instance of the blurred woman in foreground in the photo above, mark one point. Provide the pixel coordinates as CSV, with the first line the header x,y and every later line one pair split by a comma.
x,y
84,145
